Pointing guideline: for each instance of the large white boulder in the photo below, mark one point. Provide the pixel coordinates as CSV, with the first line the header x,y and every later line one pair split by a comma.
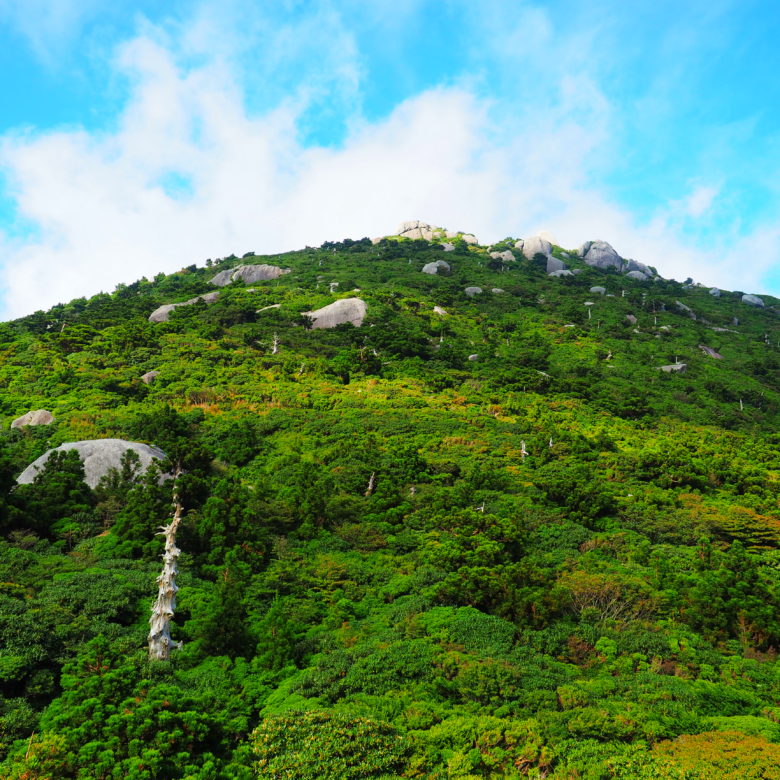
x,y
163,313
536,245
554,264
98,457
472,291
352,310
600,254
436,267
506,256
752,300
248,274
37,417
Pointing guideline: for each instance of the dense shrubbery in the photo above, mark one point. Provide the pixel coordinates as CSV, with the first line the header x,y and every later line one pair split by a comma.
x,y
551,560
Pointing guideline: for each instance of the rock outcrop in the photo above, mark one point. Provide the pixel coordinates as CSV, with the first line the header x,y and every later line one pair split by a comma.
x,y
752,300
598,290
536,245
559,274
637,276
711,352
506,256
554,264
417,229
438,310
347,310
472,291
674,368
685,309
149,377
37,417
715,292
163,313
600,254
248,274
98,457
438,266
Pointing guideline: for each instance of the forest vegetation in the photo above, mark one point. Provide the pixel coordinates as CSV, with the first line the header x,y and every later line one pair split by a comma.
x,y
498,542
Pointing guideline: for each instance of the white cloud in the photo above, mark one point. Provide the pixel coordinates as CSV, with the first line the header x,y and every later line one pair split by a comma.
x,y
104,214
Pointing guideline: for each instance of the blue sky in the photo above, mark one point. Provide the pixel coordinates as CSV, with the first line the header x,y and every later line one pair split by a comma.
x,y
141,137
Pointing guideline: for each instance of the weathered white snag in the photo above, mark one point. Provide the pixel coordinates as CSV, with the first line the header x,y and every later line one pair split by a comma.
x,y
160,642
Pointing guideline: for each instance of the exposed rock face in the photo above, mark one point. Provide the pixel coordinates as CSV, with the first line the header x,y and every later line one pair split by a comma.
x,y
637,275
685,309
248,274
448,247
472,291
536,245
711,352
98,456
633,265
752,300
163,313
469,238
506,256
417,229
598,290
37,417
554,264
715,292
674,368
559,274
519,244
435,267
352,310
600,254
149,377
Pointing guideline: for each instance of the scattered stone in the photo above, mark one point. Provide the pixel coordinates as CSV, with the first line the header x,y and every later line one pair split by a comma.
x,y
469,238
536,245
724,330
715,292
472,291
600,254
674,368
554,264
665,327
637,276
588,303
496,291
631,318
352,310
163,313
559,274
438,310
752,300
37,417
435,267
505,256
149,377
711,352
473,357
598,290
98,457
448,247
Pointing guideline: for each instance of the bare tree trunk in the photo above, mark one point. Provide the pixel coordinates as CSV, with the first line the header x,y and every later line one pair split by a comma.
x,y
160,642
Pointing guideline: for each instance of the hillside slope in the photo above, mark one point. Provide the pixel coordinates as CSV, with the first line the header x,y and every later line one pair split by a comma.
x,y
499,523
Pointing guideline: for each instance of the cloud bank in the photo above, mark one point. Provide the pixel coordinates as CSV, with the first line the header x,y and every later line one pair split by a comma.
x,y
187,171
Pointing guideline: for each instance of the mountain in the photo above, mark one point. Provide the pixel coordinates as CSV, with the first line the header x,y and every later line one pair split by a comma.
x,y
446,511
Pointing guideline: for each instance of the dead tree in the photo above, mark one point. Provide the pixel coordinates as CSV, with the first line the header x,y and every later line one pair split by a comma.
x,y
160,642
